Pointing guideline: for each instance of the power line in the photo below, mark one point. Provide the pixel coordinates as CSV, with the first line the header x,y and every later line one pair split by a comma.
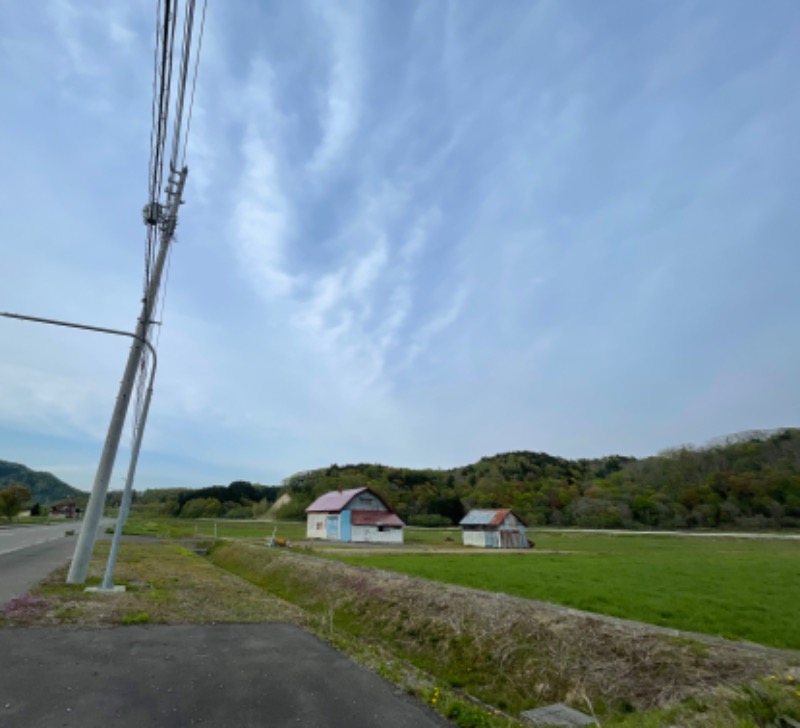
x,y
163,106
194,81
186,47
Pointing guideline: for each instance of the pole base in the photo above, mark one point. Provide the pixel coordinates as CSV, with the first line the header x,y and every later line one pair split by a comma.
x,y
103,590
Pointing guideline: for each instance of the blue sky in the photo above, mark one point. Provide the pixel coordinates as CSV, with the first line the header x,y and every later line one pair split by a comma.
x,y
414,233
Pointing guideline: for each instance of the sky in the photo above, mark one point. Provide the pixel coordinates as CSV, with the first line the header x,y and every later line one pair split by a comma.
x,y
414,233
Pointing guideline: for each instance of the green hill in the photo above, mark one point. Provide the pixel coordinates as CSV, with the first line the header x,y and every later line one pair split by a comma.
x,y
45,488
747,481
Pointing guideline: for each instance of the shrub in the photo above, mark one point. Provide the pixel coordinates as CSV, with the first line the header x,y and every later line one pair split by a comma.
x,y
429,520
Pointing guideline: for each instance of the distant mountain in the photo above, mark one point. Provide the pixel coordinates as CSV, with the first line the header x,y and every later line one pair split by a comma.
x,y
45,488
749,480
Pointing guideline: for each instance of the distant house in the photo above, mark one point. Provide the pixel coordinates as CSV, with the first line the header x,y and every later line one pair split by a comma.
x,y
358,515
494,529
65,510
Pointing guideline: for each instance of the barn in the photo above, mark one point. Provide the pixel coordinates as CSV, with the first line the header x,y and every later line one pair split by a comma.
x,y
358,515
494,529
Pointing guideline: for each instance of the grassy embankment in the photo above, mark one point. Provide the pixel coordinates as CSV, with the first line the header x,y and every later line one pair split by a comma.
x,y
735,588
516,656
739,589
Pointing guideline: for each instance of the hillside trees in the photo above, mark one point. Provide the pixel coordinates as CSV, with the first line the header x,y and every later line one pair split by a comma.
x,y
744,481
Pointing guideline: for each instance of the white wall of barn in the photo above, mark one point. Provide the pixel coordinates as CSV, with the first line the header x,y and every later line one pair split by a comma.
x,y
366,502
371,534
315,525
475,538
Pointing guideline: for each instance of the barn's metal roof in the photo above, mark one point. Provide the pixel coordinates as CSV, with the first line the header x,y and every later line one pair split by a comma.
x,y
375,518
334,501
486,517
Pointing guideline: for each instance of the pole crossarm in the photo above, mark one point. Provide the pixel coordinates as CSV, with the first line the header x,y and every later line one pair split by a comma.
x,y
107,583
85,327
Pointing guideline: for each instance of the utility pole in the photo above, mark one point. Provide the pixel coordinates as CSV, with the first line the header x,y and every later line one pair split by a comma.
x,y
108,583
167,218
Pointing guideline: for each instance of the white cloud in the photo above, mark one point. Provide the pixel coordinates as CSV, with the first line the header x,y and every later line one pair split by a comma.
x,y
435,326
262,213
343,96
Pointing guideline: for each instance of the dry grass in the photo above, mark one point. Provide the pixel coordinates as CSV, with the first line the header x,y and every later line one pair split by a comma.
x,y
496,648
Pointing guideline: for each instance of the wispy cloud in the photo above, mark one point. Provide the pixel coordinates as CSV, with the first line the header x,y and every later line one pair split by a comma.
x,y
262,213
342,99
415,234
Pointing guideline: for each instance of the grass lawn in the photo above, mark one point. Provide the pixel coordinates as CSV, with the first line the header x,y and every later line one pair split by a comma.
x,y
165,584
734,588
219,528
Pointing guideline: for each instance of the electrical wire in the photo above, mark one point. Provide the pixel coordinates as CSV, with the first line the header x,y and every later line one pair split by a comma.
x,y
194,81
186,47
160,170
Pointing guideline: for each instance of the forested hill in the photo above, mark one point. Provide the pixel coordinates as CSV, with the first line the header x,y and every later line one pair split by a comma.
x,y
751,480
45,488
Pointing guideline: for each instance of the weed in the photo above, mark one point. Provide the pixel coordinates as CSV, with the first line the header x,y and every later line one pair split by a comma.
x,y
135,618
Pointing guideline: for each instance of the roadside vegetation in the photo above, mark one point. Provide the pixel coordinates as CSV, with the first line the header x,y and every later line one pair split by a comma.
x,y
497,652
12,498
166,583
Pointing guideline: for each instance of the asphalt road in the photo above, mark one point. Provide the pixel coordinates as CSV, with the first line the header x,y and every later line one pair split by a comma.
x,y
29,553
15,537
237,675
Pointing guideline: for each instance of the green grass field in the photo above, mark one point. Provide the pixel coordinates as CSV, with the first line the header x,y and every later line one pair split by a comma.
x,y
740,589
292,530
216,528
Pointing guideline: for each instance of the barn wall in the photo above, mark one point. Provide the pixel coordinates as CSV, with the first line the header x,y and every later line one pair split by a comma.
x,y
315,525
366,502
344,526
371,534
513,538
504,538
475,538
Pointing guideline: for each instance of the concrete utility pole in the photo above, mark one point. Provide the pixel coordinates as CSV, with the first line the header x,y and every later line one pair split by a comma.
x,y
108,580
168,220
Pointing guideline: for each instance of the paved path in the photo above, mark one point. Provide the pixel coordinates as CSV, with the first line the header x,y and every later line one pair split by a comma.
x,y
236,675
29,553
15,537
23,568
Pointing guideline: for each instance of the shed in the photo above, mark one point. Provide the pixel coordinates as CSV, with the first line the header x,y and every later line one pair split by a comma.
x,y
358,515
500,528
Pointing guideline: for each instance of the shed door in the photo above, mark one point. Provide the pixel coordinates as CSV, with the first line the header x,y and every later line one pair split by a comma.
x,y
332,527
492,539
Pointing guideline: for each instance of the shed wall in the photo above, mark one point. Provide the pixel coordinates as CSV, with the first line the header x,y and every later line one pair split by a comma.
x,y
315,525
475,538
371,534
366,502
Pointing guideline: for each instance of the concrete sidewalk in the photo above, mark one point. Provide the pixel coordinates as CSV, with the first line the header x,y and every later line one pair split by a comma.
x,y
236,675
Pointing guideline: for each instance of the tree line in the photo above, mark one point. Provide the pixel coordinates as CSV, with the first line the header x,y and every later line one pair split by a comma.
x,y
239,499
745,481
